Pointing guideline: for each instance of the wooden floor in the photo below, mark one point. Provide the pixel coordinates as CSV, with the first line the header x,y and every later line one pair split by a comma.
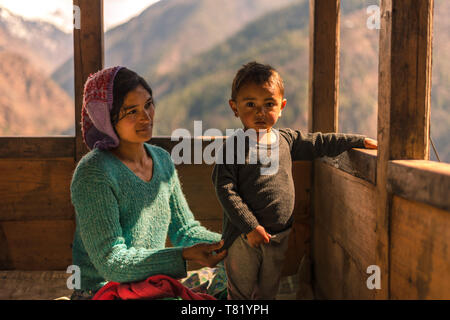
x,y
51,285
33,285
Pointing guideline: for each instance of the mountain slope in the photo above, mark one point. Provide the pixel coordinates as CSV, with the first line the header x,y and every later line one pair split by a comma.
x,y
40,42
200,89
31,104
171,32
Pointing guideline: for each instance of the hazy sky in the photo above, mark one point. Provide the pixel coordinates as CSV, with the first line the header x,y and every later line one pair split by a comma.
x,y
60,12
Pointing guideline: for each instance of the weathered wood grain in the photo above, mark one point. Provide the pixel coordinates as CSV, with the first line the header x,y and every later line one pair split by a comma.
x,y
36,189
403,102
38,245
360,163
88,42
324,65
421,180
420,256
37,147
345,207
336,274
198,189
302,176
300,237
34,285
410,57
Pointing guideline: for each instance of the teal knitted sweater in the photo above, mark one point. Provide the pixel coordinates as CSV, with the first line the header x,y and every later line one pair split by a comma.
x,y
122,222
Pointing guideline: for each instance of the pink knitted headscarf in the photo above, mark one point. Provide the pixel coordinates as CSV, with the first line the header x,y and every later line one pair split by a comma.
x,y
97,129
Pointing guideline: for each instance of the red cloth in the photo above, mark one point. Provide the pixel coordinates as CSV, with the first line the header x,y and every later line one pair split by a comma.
x,y
154,287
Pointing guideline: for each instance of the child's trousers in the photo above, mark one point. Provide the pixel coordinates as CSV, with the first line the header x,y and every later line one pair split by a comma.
x,y
254,273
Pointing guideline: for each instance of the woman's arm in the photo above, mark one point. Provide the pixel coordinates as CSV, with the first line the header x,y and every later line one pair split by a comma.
x,y
184,230
97,216
200,244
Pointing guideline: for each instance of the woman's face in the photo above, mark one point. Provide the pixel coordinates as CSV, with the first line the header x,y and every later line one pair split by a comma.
x,y
135,123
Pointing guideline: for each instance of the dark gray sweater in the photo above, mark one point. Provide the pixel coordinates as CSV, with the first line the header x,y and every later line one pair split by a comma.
x,y
250,196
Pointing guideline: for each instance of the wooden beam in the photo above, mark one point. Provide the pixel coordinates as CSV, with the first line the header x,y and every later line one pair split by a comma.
x,y
324,28
403,103
88,57
324,65
37,147
360,163
420,180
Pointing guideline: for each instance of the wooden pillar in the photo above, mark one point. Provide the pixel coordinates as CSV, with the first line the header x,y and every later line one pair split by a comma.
x,y
323,101
88,56
403,103
324,65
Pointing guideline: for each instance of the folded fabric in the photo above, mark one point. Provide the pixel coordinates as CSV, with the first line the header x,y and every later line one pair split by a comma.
x,y
212,281
154,287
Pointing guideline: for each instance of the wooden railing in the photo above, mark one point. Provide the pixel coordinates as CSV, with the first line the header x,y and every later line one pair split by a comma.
x,y
37,217
382,209
345,242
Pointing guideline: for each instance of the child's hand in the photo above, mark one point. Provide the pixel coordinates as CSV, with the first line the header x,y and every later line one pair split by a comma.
x,y
370,143
258,236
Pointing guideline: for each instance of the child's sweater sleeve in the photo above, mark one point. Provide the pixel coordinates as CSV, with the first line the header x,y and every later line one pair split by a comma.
x,y
314,145
184,230
237,211
98,220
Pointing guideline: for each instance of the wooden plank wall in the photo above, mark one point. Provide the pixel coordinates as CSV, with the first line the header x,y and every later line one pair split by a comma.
x,y
37,220
344,233
420,257
420,229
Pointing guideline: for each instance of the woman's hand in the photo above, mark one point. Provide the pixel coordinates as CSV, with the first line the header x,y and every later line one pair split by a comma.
x,y
258,236
370,143
204,253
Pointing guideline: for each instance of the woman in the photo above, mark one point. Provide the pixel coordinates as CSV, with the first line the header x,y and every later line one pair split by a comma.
x,y
126,193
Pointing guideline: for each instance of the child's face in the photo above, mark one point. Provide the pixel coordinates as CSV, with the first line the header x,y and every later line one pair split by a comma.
x,y
258,106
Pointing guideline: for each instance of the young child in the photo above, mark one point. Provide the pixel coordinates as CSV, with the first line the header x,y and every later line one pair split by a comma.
x,y
258,204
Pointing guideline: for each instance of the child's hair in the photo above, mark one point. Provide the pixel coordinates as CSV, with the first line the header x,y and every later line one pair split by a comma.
x,y
125,81
254,72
